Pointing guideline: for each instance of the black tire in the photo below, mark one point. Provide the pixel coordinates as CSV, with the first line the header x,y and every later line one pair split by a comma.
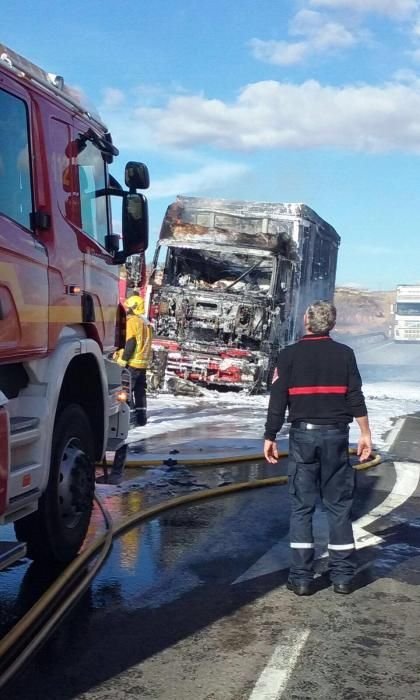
x,y
55,532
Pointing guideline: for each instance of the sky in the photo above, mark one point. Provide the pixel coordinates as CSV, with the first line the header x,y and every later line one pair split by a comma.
x,y
314,101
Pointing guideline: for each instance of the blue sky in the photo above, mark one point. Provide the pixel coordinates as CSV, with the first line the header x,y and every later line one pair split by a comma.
x,y
314,101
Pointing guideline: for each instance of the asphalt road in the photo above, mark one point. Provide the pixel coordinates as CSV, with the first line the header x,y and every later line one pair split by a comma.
x,y
193,604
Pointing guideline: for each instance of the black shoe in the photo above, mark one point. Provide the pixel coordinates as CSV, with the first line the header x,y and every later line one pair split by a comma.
x,y
343,588
112,479
115,479
300,588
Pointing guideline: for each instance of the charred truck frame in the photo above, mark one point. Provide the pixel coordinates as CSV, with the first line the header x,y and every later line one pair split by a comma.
x,y
234,284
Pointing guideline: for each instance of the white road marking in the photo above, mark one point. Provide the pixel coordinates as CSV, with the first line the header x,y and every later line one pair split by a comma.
x,y
273,680
406,482
274,559
393,434
278,556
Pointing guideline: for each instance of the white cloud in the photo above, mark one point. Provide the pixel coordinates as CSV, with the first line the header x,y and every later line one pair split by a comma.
x,y
204,179
306,22
317,36
397,9
119,111
271,114
280,53
112,98
332,36
405,75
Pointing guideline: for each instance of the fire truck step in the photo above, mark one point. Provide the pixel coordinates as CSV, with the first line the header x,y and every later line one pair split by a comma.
x,y
11,552
23,431
19,424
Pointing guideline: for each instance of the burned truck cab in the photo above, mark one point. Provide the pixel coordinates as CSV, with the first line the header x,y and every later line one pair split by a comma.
x,y
222,290
213,296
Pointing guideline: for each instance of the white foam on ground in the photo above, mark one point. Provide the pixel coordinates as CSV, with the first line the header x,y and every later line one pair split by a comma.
x,y
237,415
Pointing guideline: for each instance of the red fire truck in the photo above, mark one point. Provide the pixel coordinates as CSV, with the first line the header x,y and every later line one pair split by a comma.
x,y
61,398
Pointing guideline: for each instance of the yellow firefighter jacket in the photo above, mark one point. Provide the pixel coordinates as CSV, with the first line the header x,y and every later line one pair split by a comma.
x,y
139,330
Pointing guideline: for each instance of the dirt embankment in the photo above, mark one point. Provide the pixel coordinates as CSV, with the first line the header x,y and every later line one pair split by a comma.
x,y
360,311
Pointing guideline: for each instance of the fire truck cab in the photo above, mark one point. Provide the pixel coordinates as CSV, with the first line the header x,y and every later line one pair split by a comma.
x,y
61,399
406,314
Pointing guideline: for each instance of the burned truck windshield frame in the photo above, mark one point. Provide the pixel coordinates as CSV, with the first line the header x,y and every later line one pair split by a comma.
x,y
230,272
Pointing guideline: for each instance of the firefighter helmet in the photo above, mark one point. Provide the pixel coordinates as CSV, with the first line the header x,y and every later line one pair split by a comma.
x,y
136,304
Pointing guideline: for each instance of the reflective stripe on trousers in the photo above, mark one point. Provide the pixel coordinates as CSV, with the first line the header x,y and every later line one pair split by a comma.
x,y
319,465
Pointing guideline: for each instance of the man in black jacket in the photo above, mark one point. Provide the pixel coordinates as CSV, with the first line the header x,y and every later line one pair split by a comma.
x,y
318,381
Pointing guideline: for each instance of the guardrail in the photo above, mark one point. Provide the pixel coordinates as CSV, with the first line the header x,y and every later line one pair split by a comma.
x,y
359,340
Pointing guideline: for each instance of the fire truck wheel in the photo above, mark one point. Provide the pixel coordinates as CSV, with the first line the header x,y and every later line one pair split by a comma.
x,y
56,531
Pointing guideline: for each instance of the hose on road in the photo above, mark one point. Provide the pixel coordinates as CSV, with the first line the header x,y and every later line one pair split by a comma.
x,y
208,462
30,632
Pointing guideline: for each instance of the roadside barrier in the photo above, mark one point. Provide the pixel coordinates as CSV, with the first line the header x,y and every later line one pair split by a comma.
x,y
356,341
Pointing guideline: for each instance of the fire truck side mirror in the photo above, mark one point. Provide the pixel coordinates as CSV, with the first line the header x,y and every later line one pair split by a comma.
x,y
135,223
136,176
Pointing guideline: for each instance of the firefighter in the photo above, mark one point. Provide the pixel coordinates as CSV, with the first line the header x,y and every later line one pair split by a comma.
x,y
318,381
137,354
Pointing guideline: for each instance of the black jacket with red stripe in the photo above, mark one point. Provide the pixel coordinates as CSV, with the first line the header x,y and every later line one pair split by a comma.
x,y
317,379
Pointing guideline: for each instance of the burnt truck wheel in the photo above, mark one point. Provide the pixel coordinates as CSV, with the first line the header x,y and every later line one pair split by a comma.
x,y
56,531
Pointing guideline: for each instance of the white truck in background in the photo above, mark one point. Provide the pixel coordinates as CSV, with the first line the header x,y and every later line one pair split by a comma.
x,y
406,311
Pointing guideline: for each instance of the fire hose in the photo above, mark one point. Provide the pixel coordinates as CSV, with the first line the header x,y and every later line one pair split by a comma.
x,y
15,650
203,462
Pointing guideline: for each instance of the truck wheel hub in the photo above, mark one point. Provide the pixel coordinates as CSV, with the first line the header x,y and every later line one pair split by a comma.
x,y
74,488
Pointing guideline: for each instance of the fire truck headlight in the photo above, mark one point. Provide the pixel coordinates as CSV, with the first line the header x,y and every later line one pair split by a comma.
x,y
122,396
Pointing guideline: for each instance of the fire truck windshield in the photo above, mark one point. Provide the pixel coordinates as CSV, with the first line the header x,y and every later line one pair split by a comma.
x,y
15,171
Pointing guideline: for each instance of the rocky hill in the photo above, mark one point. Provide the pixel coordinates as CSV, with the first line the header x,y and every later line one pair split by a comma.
x,y
361,311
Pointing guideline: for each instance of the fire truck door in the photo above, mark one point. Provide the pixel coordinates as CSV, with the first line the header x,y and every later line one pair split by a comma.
x,y
23,258
65,254
100,274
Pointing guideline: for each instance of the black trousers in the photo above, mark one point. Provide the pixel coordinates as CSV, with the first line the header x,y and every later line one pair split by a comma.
x,y
138,399
319,466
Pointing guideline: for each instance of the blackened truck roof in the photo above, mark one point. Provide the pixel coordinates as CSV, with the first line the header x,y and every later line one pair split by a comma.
x,y
271,226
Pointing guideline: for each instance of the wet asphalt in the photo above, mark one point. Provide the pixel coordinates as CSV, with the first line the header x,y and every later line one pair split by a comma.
x,y
193,603
167,617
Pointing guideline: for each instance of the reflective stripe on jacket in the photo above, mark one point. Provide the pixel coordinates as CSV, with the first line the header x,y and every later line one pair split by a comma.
x,y
141,331
318,380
